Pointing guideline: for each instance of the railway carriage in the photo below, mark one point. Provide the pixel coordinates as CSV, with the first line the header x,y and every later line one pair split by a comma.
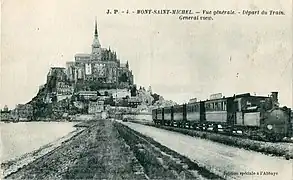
x,y
219,112
168,115
179,115
195,114
159,115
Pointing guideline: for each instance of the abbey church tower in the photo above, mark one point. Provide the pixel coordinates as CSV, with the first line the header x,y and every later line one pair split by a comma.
x,y
96,46
99,69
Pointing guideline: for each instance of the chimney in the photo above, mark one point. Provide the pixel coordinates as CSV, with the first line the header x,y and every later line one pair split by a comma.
x,y
274,97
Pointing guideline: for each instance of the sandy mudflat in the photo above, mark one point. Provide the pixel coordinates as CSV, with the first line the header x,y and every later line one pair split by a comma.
x,y
15,164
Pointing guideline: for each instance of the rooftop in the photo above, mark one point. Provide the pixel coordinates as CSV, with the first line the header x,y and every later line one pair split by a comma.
x,y
82,55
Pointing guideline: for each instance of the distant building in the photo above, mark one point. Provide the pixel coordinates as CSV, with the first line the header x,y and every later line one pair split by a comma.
x,y
119,94
23,112
87,95
64,90
5,114
58,85
134,102
96,107
59,108
150,90
5,109
57,74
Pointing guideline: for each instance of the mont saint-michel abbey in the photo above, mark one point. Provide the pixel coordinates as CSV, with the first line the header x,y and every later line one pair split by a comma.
x,y
84,86
99,69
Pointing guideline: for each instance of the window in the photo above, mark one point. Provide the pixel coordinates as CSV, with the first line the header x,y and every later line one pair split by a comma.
x,y
208,106
225,106
189,108
220,106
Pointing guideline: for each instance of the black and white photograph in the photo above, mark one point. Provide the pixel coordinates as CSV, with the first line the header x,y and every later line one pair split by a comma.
x,y
146,90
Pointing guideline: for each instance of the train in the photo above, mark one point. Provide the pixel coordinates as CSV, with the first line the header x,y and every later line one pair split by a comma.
x,y
245,114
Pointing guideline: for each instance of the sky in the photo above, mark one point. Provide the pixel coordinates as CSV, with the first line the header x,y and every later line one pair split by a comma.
x,y
179,59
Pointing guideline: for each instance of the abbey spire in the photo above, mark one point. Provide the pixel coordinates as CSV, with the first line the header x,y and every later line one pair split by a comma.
x,y
96,28
96,42
96,46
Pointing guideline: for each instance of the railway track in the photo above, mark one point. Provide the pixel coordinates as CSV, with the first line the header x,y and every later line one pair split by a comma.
x,y
283,149
224,160
210,131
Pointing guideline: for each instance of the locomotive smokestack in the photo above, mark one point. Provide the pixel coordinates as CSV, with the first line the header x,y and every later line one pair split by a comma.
x,y
274,97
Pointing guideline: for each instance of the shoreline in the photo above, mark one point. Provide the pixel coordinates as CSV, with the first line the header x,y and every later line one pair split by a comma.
x,y
26,121
13,165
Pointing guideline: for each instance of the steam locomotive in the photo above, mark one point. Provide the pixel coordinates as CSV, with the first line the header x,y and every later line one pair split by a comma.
x,y
254,116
